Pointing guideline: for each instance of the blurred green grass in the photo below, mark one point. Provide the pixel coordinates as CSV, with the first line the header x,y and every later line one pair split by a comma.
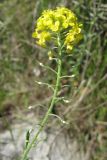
x,y
19,68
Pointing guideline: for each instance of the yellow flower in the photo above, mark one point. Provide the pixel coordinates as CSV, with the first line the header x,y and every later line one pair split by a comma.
x,y
56,26
69,47
65,24
61,20
42,38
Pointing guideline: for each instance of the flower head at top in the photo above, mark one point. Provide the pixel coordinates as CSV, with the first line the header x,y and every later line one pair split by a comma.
x,y
59,21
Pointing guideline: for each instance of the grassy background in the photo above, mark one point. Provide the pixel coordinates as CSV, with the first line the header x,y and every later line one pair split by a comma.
x,y
87,91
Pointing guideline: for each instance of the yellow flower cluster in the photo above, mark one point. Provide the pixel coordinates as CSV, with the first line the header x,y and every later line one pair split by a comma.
x,y
56,21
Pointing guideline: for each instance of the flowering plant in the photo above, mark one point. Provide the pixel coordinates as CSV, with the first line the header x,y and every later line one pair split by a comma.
x,y
59,28
54,22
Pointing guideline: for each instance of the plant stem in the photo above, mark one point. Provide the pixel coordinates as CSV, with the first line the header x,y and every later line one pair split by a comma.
x,y
46,117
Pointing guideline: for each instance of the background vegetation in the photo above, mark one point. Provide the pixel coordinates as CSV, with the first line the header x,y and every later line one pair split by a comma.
x,y
87,91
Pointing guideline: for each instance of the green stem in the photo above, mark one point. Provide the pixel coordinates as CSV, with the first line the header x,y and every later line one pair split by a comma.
x,y
45,119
